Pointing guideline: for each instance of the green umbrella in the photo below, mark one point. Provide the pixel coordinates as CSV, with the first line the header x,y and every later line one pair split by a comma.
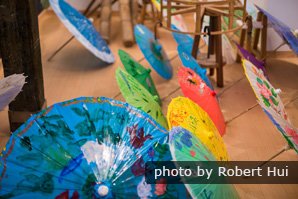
x,y
141,74
185,146
136,95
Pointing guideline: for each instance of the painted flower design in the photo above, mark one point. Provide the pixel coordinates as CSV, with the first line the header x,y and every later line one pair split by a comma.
x,y
144,189
186,139
264,91
160,187
293,134
137,137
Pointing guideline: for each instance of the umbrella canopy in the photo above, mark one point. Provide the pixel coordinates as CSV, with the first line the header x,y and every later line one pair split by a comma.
x,y
189,62
185,113
141,74
195,89
264,91
10,87
153,51
250,57
285,127
83,30
284,31
136,95
186,147
85,148
184,40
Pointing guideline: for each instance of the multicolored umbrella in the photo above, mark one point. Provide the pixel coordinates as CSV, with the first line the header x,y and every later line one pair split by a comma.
x,y
136,95
85,148
284,31
186,147
195,89
189,62
184,40
250,57
83,30
153,51
10,87
185,113
264,91
141,74
285,127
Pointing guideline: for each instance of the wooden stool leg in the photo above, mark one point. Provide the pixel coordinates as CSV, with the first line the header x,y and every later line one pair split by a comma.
x,y
218,54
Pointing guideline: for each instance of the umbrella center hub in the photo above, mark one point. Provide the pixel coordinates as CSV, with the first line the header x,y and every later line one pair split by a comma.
x,y
102,190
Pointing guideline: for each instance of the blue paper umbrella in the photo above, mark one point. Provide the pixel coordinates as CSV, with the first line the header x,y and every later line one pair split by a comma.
x,y
83,30
189,62
184,40
284,31
153,51
85,148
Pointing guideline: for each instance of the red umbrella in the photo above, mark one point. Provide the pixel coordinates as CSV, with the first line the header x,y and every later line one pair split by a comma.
x,y
196,89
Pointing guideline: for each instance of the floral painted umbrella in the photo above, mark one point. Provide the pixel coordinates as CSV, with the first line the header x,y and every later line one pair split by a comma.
x,y
141,74
189,62
153,51
83,30
285,127
187,114
185,146
85,148
264,91
10,87
195,89
136,95
285,32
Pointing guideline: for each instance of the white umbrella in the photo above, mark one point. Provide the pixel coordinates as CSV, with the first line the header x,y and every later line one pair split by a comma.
x,y
10,87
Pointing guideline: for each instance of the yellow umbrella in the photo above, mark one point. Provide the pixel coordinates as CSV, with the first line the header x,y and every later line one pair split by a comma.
x,y
187,114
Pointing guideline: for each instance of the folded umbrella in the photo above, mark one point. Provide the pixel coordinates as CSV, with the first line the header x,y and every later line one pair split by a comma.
x,y
85,148
185,113
153,51
195,89
10,87
141,74
136,95
83,30
185,146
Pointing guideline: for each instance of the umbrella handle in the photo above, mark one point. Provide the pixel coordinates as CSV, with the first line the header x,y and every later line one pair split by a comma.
x,y
155,28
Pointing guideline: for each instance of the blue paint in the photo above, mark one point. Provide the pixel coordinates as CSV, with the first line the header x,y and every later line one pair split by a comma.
x,y
72,165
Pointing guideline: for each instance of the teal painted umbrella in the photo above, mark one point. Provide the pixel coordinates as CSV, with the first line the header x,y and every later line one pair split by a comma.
x,y
185,146
153,51
139,72
85,148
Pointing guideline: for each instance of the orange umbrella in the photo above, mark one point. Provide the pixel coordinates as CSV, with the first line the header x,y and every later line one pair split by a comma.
x,y
195,89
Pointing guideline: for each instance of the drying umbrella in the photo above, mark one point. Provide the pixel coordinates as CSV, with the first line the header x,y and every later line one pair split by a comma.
x,y
141,74
185,113
189,62
284,31
285,127
184,40
264,91
85,148
136,95
195,89
153,51
250,57
10,87
83,30
186,147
